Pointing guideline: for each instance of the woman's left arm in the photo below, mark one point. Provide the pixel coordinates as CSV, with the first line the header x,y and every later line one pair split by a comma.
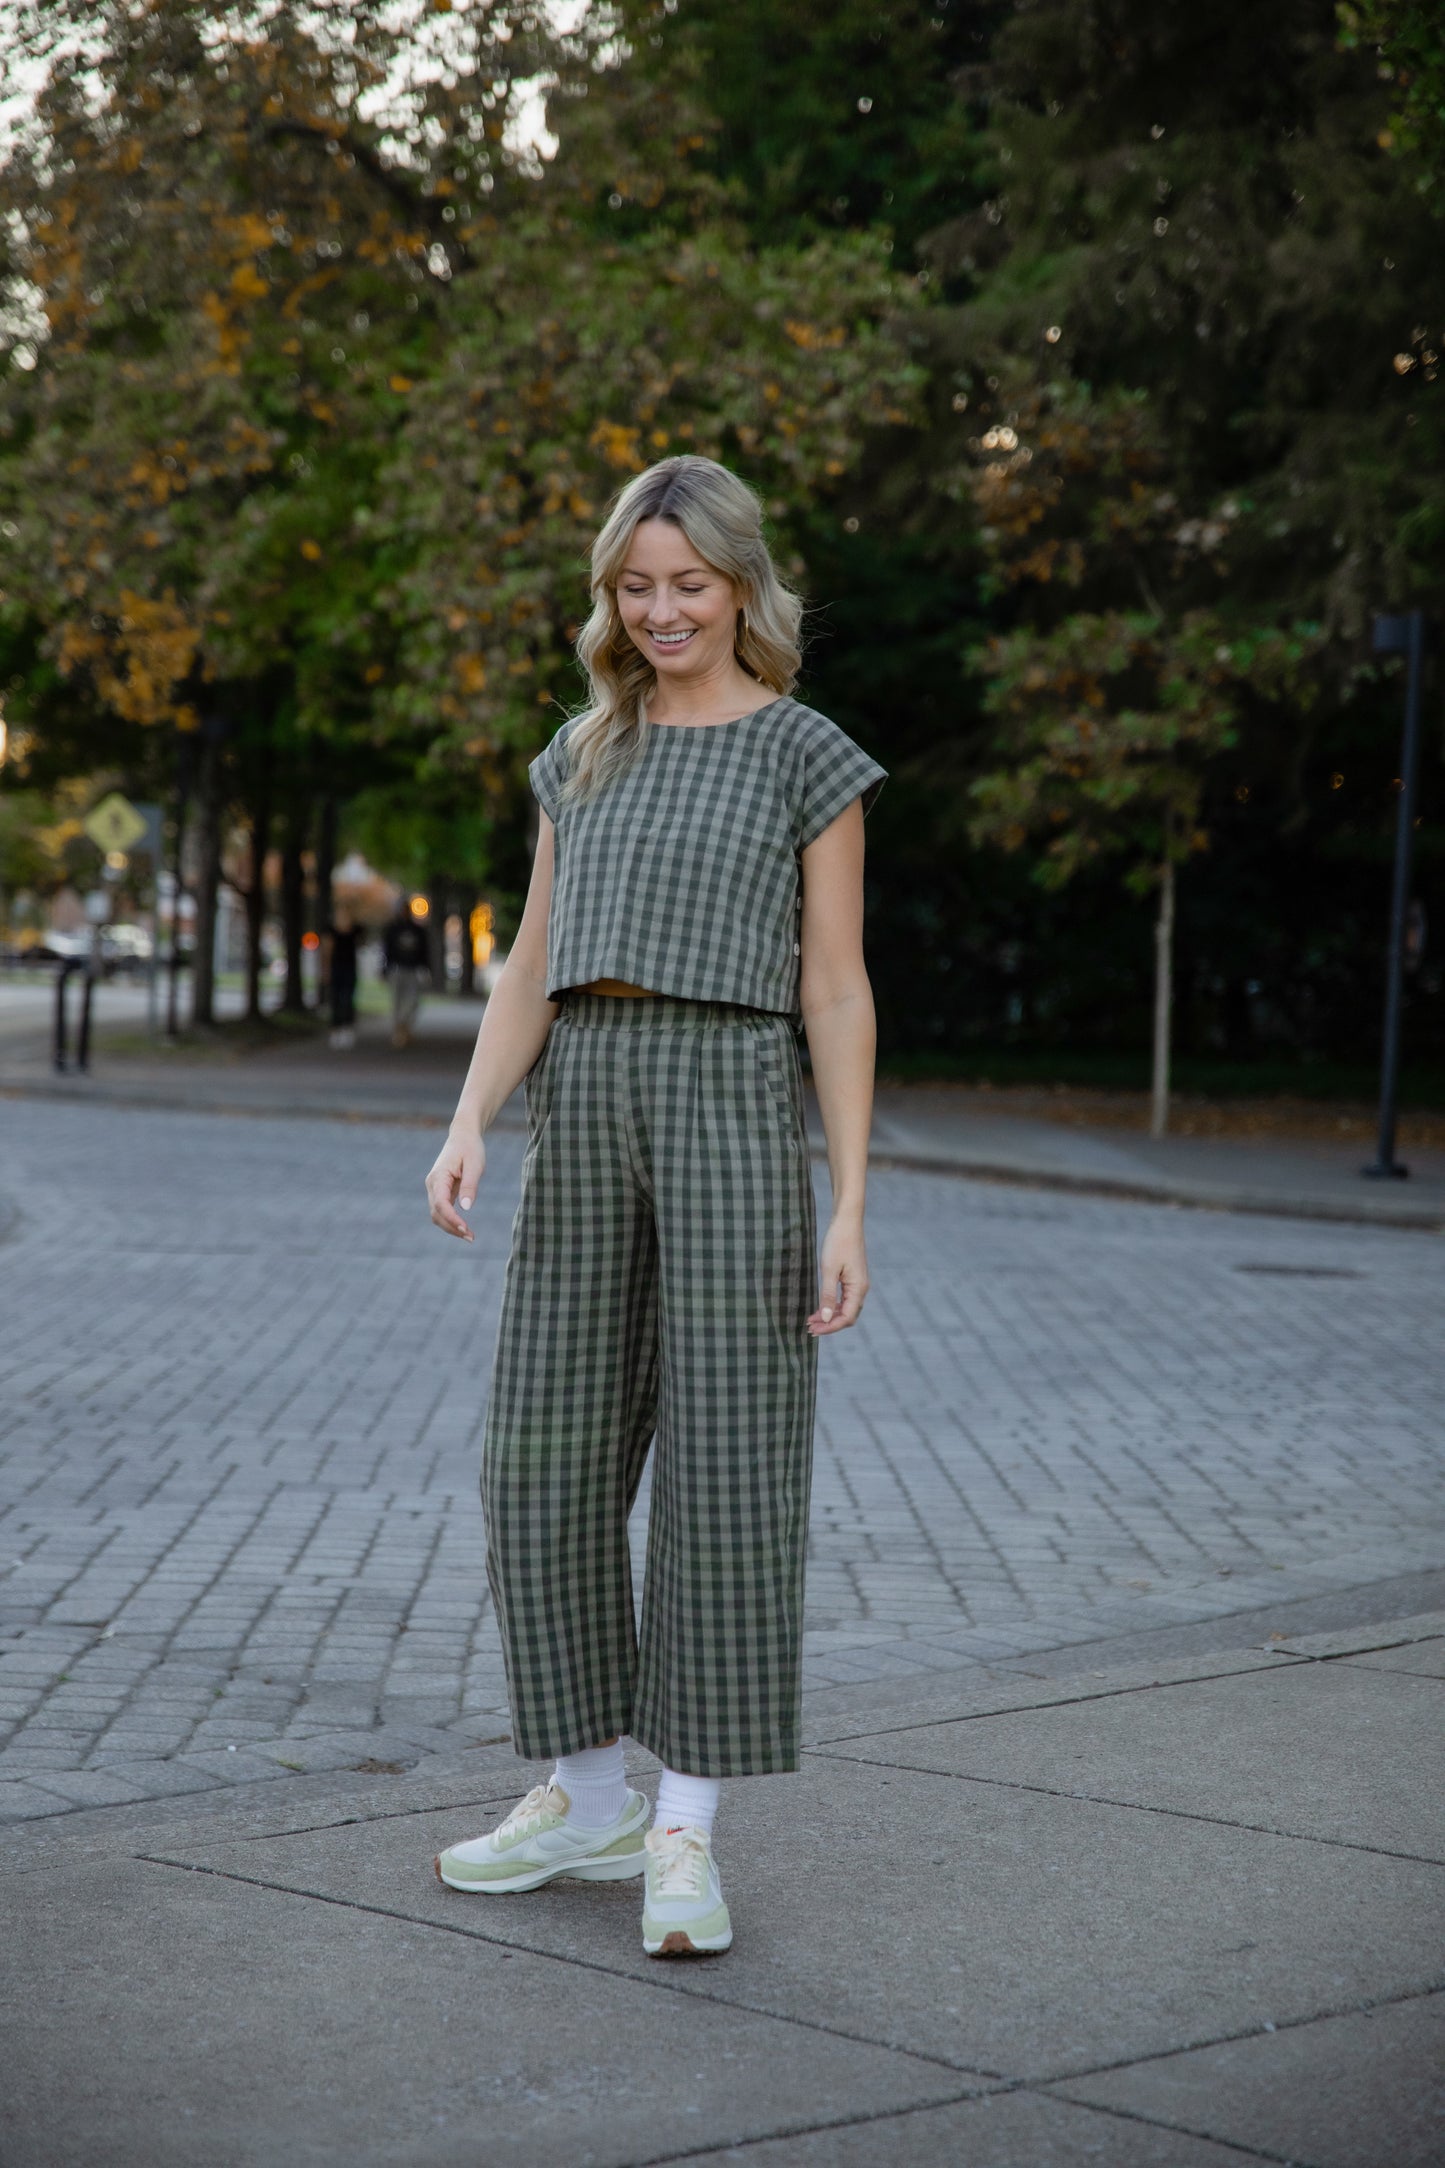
x,y
837,1005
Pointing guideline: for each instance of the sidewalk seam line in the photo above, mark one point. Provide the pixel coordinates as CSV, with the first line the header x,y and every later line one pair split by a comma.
x,y
808,2130
1134,1806
1249,2032
368,1821
1186,2130
1284,1658
584,1964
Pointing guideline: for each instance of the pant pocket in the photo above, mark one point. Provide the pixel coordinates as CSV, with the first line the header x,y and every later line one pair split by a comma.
x,y
777,1066
538,1085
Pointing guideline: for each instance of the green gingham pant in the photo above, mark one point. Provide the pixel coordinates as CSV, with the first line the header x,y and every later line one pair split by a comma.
x,y
662,1272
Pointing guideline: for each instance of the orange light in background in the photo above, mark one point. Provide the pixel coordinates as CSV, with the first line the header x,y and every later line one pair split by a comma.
x,y
419,907
480,928
310,940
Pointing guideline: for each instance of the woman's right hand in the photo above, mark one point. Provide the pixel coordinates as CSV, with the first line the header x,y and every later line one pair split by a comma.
x,y
454,1179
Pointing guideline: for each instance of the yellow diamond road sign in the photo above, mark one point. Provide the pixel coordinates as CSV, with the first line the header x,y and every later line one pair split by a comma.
x,y
115,825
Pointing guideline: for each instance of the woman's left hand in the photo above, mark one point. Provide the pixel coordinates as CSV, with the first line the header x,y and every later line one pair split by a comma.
x,y
843,1275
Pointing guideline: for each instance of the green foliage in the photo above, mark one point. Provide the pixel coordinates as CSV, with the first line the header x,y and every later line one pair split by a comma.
x,y
336,381
1091,374
1201,364
824,115
419,832
1106,722
772,360
1409,39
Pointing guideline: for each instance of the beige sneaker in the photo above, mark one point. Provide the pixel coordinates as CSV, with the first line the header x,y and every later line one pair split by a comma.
x,y
536,1843
683,1914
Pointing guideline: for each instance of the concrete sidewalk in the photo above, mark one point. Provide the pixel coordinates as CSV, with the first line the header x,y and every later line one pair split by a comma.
x,y
933,1129
1179,1913
956,1132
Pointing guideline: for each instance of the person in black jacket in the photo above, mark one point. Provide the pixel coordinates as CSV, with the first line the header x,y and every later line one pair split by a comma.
x,y
343,937
407,951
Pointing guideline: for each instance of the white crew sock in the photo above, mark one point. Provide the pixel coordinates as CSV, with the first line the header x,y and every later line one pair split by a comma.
x,y
595,1782
683,1799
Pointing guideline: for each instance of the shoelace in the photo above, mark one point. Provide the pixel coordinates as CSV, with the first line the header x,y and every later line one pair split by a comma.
x,y
683,1856
541,1800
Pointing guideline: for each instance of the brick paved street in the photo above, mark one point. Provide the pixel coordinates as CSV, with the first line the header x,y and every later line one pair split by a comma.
x,y
240,1408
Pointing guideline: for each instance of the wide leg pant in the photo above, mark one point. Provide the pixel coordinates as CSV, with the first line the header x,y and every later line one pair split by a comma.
x,y
662,1271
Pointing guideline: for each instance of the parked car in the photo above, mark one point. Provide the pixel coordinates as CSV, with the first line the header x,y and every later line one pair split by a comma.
x,y
53,947
124,949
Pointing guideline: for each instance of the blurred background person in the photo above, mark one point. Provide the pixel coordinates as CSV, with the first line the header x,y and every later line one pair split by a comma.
x,y
406,955
342,937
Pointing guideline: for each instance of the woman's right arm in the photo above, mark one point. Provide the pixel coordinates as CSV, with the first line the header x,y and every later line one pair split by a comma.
x,y
513,1032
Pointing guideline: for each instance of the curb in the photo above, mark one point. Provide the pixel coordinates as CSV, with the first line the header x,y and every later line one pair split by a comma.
x,y
1427,1220
233,1110
1120,1189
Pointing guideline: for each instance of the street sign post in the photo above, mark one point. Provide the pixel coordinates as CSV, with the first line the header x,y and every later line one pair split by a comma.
x,y
115,824
151,815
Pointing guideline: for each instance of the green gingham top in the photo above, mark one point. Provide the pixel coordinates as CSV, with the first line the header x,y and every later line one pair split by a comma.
x,y
683,874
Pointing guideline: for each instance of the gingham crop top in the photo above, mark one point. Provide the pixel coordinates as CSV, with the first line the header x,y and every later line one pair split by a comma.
x,y
683,875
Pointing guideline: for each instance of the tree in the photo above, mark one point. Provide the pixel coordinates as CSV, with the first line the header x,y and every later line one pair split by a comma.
x,y
1198,371
313,462
773,359
1107,723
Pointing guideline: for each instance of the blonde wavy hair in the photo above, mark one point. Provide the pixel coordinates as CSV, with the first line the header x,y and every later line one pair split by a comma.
x,y
723,520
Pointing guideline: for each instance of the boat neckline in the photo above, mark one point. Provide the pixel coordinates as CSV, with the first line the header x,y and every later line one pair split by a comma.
x,y
688,730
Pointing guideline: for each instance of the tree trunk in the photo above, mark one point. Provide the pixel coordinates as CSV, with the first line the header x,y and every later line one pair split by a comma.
x,y
208,884
438,898
293,904
467,904
1163,997
256,892
325,873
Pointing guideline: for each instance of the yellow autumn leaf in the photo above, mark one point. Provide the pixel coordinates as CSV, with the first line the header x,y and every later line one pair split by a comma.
x,y
618,445
251,233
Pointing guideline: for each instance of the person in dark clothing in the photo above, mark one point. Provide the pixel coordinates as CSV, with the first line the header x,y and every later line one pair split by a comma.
x,y
344,936
407,951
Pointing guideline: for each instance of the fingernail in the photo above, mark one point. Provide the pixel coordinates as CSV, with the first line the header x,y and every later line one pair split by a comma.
x,y
826,1315
466,1204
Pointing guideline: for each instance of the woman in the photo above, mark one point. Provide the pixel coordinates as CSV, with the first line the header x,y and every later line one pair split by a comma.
x,y
343,937
696,895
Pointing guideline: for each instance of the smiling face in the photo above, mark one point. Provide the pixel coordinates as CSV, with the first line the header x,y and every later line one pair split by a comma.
x,y
678,611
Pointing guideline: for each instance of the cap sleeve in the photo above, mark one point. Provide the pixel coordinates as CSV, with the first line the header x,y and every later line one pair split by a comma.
x,y
835,772
547,773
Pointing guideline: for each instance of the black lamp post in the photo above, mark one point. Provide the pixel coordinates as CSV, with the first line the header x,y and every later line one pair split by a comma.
x,y
1399,635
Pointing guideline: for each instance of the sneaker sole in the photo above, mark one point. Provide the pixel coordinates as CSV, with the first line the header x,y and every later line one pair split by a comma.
x,y
602,1870
678,1943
